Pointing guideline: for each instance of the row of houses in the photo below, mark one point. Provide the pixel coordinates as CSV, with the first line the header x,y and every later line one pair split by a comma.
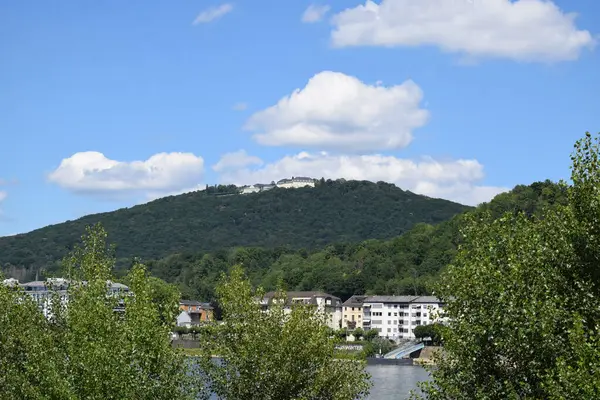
x,y
295,182
394,317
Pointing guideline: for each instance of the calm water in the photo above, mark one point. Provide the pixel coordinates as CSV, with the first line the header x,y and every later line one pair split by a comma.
x,y
392,381
395,381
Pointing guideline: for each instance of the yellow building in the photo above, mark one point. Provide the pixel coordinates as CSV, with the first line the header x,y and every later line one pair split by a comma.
x,y
352,311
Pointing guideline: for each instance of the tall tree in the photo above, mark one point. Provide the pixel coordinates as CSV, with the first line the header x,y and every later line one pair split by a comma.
x,y
87,349
523,300
275,354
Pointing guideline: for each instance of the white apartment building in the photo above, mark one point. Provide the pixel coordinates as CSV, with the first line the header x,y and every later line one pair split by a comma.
x,y
326,303
396,317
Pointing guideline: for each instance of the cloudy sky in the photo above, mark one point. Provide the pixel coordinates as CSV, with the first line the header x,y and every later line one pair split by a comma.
x,y
114,103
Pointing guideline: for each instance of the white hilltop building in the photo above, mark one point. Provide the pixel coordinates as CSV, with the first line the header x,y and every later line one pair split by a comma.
x,y
294,183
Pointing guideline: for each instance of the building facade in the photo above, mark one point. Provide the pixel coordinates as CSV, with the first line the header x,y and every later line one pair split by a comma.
x,y
193,313
296,182
326,303
353,312
396,317
42,292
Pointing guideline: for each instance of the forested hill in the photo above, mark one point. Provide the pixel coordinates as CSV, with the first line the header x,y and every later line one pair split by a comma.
x,y
407,264
333,211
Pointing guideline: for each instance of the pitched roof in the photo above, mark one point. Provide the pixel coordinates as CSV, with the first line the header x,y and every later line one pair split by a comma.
x,y
402,299
310,296
205,306
355,301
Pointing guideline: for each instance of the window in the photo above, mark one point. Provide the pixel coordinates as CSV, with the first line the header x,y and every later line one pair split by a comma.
x,y
352,317
389,329
352,308
395,305
389,314
395,314
358,316
395,330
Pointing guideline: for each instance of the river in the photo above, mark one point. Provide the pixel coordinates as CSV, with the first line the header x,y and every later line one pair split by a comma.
x,y
394,381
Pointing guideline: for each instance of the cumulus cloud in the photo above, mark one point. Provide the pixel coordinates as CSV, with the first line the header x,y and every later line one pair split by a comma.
x,y
456,180
335,111
93,173
236,160
213,13
315,13
524,30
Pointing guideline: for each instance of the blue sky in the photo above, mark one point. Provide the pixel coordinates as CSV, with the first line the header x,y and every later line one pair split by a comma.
x,y
110,104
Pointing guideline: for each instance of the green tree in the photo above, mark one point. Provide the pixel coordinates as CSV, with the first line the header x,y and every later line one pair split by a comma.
x,y
371,334
276,354
358,333
88,349
523,300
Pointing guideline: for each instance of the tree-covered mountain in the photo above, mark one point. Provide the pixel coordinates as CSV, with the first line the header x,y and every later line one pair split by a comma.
x,y
407,264
219,218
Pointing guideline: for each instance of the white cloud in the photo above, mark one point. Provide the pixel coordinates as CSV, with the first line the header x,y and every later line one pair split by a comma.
x,y
339,112
213,13
235,160
315,13
93,173
525,30
240,106
455,180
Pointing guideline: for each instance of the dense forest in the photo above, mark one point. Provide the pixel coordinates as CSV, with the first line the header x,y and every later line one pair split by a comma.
x,y
407,264
218,218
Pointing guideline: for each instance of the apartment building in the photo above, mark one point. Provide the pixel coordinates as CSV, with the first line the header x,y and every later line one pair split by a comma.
x,y
42,292
330,305
396,317
353,312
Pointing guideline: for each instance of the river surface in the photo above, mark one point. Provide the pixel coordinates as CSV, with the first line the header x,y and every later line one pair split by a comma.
x,y
394,381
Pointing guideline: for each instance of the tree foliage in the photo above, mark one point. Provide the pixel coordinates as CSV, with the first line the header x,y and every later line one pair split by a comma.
x,y
433,332
86,349
523,297
276,354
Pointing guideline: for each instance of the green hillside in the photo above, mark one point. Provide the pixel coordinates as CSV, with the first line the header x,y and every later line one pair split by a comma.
x,y
333,211
407,264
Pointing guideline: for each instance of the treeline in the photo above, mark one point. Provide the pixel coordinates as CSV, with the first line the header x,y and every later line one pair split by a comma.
x,y
405,265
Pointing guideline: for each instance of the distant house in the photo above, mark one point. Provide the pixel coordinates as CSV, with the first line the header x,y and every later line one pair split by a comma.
x,y
265,187
296,182
193,313
353,312
249,189
328,304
